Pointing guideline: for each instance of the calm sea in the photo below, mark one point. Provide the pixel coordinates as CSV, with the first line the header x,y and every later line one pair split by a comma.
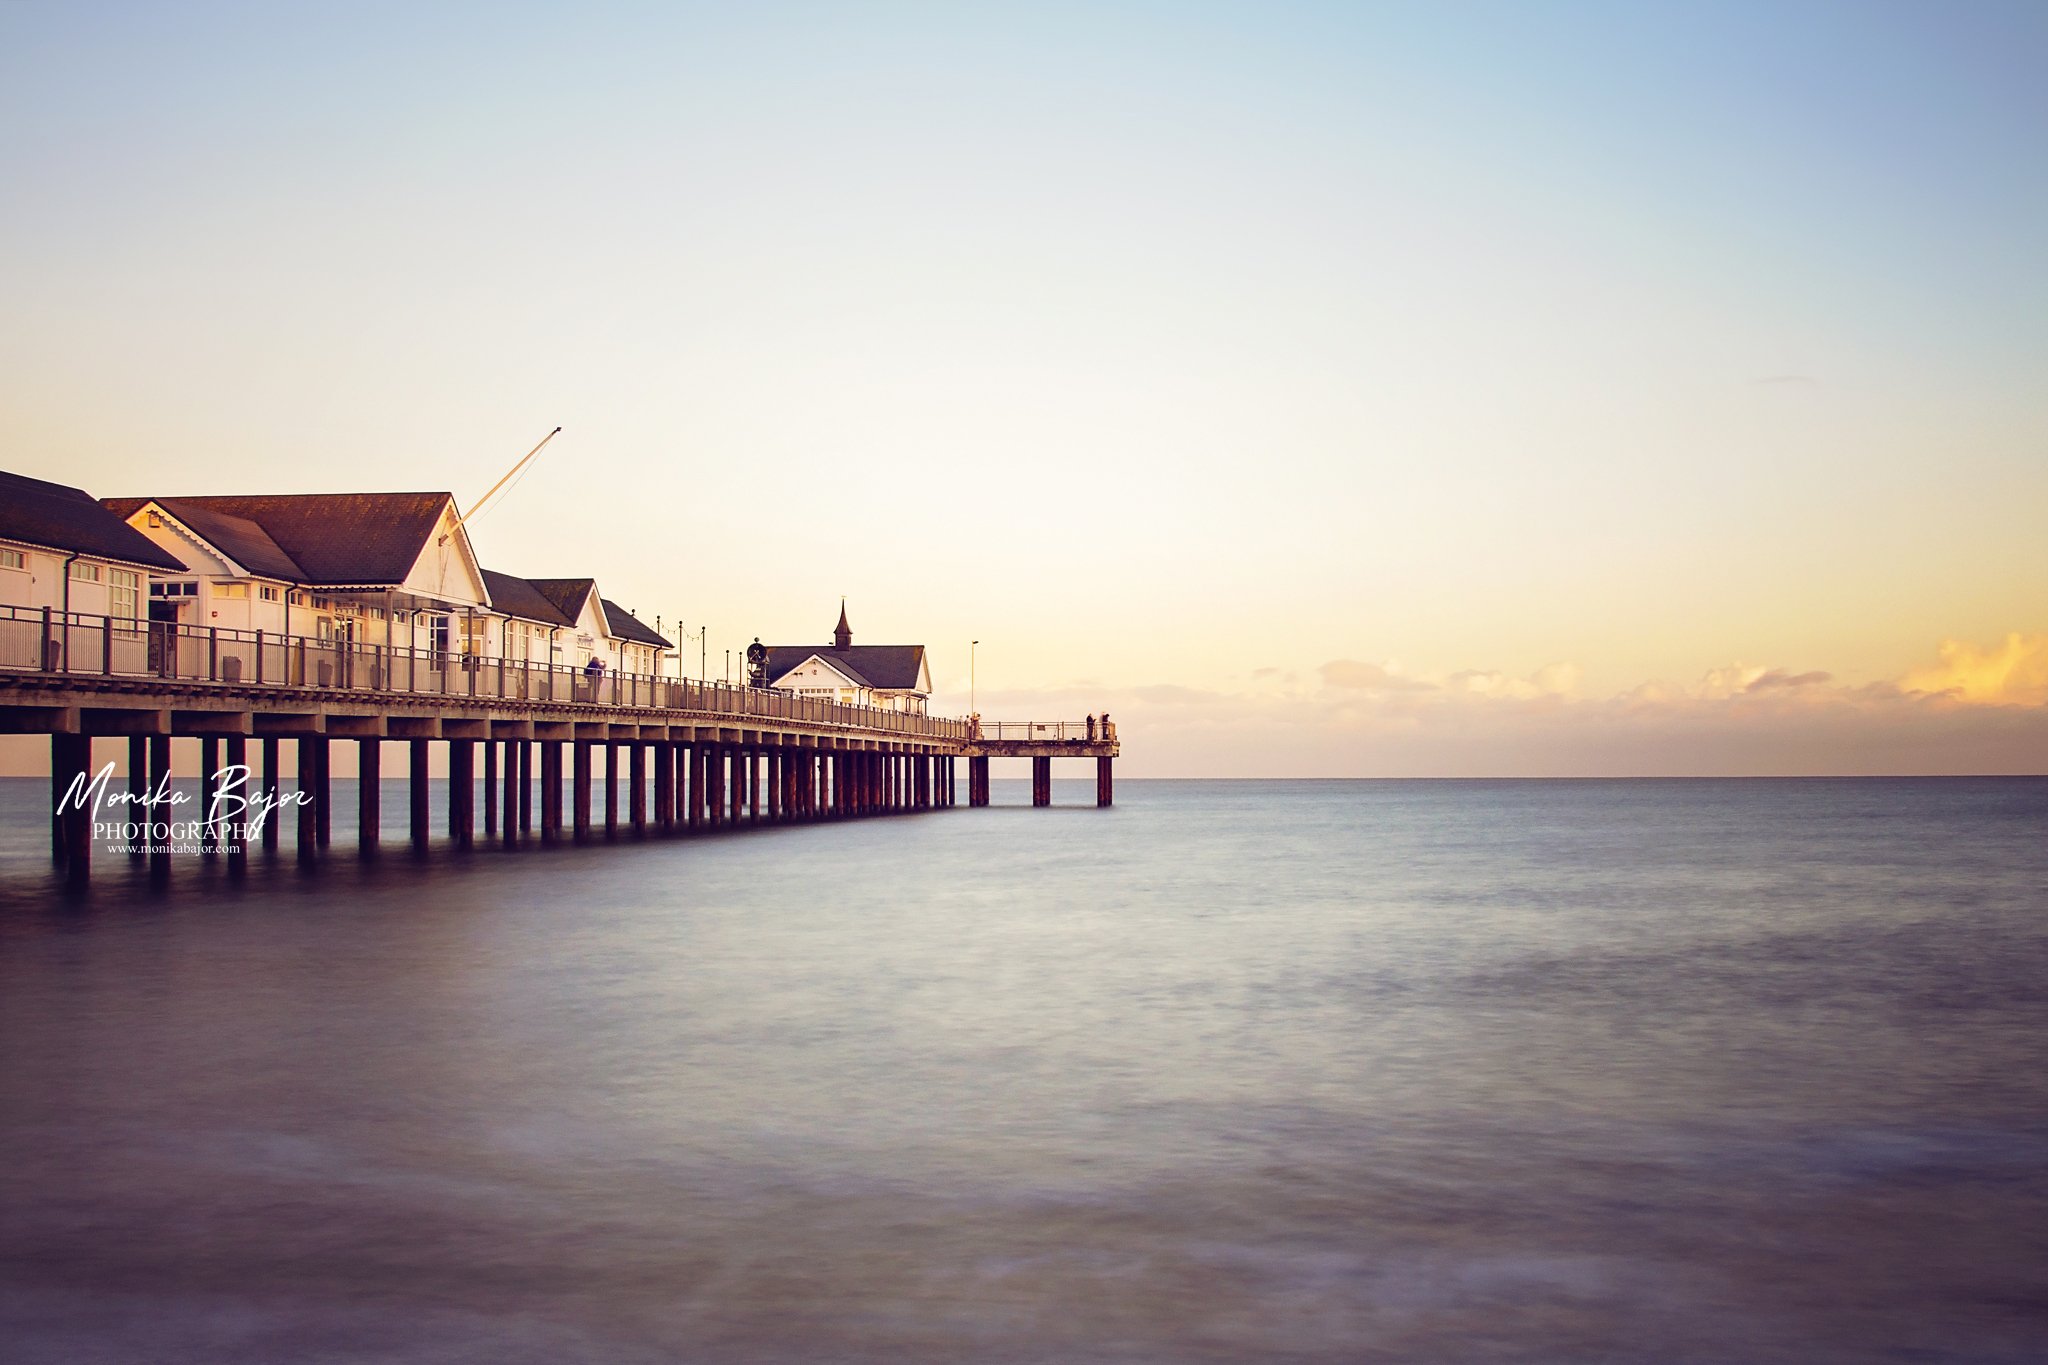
x,y
1711,1071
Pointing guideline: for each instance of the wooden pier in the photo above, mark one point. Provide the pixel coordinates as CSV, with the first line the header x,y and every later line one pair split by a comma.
x,y
718,756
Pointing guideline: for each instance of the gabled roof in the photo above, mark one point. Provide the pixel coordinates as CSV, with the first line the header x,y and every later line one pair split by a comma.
x,y
517,597
626,626
896,668
239,538
777,668
565,595
335,539
59,517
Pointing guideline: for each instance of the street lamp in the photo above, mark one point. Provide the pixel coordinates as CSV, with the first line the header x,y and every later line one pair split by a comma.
x,y
971,646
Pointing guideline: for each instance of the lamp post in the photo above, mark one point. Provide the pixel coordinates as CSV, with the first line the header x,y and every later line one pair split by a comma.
x,y
972,645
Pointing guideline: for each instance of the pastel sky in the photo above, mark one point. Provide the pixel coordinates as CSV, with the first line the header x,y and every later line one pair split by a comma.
x,y
1336,389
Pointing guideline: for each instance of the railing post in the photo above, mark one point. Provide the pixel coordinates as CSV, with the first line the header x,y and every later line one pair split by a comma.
x,y
49,645
259,656
213,653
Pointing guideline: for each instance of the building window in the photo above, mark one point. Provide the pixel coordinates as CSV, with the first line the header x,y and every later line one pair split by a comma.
x,y
174,590
13,559
231,592
269,594
124,594
84,573
298,599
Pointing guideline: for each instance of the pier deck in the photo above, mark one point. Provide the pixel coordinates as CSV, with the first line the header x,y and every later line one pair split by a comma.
x,y
717,755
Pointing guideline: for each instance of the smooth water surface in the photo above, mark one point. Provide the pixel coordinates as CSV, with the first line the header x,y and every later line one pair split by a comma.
x,y
1579,1071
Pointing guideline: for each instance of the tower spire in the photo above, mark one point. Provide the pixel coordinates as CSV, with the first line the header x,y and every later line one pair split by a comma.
x,y
842,634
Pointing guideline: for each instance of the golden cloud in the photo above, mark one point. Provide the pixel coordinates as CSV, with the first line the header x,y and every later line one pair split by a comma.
x,y
2012,673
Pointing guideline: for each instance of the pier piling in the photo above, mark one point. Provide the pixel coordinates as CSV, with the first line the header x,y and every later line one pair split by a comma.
x,y
273,791
159,780
369,796
238,829
462,791
416,784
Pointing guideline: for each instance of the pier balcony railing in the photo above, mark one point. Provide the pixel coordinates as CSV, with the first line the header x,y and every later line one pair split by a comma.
x,y
47,641
1045,732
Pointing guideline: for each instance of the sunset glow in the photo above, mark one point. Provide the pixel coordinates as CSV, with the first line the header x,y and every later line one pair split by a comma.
x,y
1318,389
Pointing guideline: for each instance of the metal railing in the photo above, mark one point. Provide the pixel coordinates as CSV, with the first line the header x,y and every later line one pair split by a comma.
x,y
1098,731
47,641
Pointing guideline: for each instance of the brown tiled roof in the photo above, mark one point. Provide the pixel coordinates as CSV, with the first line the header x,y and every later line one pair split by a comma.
x,y
239,538
335,539
59,517
517,597
626,626
566,595
895,667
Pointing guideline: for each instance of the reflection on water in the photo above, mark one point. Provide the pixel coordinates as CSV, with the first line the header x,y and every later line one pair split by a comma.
x,y
1659,1071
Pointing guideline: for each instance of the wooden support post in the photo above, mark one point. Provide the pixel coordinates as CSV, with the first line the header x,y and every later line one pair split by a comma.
x,y
664,787
715,789
508,813
611,789
1041,782
491,784
60,777
462,791
636,804
273,789
550,791
309,784
736,785
238,828
138,783
209,783
323,803
422,808
159,780
70,777
369,796
977,780
1104,787
525,751
753,786
694,758
580,815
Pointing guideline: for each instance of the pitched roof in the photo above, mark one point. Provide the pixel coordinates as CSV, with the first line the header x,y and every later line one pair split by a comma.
x,y
626,626
59,517
239,538
894,667
336,539
566,595
516,596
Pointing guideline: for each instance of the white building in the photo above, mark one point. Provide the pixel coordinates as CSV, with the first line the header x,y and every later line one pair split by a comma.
x,y
61,550
595,627
361,568
895,677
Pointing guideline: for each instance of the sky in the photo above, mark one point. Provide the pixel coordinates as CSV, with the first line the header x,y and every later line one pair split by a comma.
x,y
1335,390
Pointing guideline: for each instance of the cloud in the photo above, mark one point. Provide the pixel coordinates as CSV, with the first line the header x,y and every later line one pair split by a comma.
x,y
1796,380
2014,672
1173,694
1973,709
1364,677
1778,679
